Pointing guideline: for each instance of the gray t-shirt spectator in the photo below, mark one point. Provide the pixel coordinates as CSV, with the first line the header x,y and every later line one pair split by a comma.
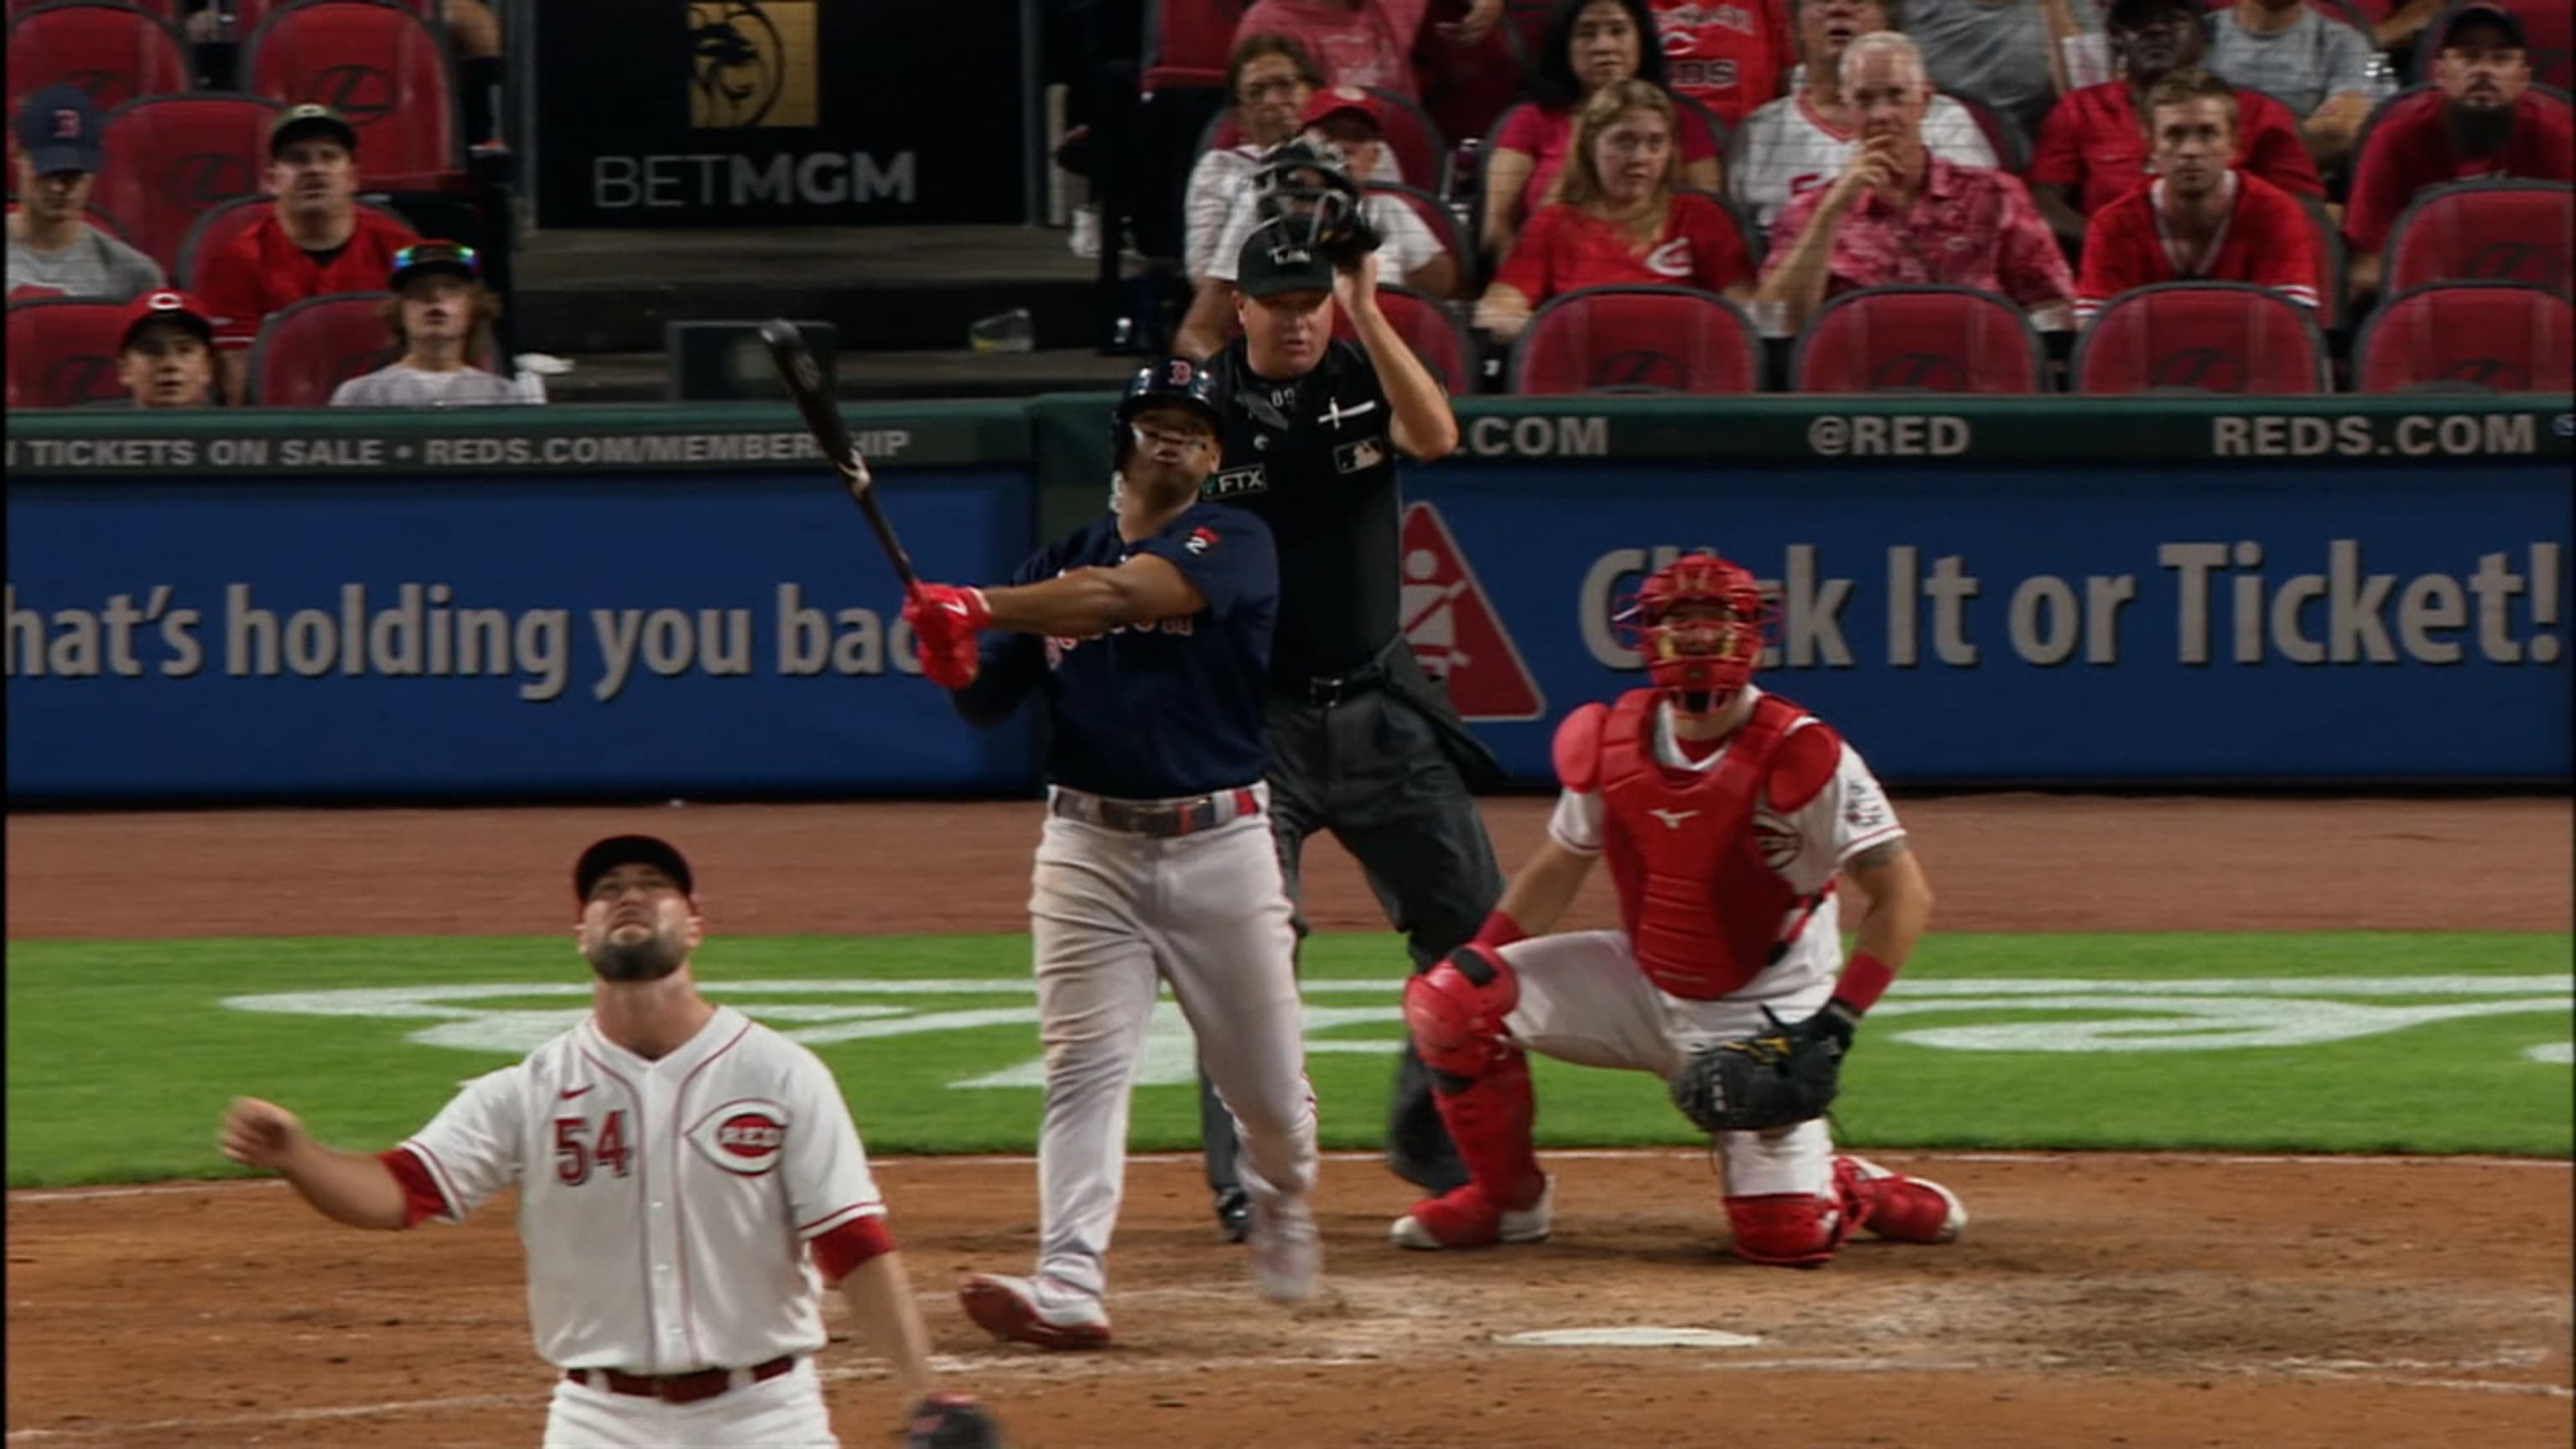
x,y
409,387
2300,67
1993,50
94,265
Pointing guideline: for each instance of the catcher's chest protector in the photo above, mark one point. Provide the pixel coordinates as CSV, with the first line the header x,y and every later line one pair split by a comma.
x,y
1702,909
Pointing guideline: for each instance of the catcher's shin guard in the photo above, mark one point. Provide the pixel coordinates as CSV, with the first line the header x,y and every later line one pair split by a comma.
x,y
1480,1080
1789,1229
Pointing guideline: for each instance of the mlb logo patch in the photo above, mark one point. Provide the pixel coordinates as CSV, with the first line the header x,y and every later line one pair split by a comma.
x,y
1366,453
1201,540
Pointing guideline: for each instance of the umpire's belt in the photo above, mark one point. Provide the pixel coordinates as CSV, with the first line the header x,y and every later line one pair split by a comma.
x,y
681,1388
1326,690
1186,816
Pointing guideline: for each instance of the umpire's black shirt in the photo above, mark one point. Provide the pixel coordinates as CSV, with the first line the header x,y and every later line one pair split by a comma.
x,y
1314,456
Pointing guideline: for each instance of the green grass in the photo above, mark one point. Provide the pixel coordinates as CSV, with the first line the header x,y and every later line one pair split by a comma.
x,y
121,1055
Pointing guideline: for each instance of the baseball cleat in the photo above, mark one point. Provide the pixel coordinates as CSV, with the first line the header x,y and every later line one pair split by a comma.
x,y
1233,1215
1469,1218
1008,1308
1287,1251
1899,1208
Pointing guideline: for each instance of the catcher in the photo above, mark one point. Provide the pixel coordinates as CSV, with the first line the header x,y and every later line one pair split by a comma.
x,y
1727,816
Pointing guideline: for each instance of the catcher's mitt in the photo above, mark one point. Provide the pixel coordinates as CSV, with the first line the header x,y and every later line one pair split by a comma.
x,y
951,1421
1773,1079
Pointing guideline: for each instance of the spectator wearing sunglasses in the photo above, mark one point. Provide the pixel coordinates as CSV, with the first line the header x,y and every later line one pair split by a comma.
x,y
441,316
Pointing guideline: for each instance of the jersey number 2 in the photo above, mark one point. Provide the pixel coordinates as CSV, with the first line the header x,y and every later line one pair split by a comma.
x,y
575,1158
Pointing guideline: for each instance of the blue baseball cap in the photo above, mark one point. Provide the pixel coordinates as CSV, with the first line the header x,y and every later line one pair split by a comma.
x,y
58,130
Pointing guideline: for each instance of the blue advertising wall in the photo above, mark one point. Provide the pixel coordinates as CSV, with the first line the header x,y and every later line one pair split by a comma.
x,y
2224,623
571,602
627,633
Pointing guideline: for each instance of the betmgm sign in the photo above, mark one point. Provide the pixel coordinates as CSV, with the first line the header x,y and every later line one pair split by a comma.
x,y
743,112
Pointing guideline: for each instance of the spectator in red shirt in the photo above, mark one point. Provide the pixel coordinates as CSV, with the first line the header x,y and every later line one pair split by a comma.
x,y
1590,44
2484,121
2201,219
1900,215
1619,219
1731,56
317,241
1364,43
2093,147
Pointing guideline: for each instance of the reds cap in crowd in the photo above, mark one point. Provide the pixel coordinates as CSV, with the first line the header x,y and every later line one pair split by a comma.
x,y
297,122
58,130
617,850
165,306
2493,16
1344,101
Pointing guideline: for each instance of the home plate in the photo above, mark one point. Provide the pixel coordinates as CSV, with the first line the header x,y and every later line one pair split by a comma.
x,y
1632,1338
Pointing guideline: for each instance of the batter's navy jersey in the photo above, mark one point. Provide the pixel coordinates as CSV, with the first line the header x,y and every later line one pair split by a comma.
x,y
1150,711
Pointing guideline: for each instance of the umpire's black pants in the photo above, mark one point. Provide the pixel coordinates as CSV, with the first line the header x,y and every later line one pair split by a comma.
x,y
1371,769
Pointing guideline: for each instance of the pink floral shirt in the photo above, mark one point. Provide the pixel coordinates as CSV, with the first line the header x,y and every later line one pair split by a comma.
x,y
1971,227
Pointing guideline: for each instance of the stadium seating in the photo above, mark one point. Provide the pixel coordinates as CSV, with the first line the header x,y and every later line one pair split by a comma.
x,y
2003,137
1431,330
306,349
1418,145
2333,303
115,52
2467,337
1187,42
167,11
1918,339
2484,231
169,159
62,352
1443,224
220,224
1636,339
377,63
2201,337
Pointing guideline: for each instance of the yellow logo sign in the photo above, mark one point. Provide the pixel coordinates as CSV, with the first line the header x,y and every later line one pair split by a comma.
x,y
752,63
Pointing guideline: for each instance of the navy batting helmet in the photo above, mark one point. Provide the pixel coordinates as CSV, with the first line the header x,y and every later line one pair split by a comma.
x,y
1164,382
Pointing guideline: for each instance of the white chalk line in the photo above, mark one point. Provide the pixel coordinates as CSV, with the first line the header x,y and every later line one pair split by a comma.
x,y
1575,1154
988,1366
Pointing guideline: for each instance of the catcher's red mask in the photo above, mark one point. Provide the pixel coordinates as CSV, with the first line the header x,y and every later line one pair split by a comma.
x,y
1700,622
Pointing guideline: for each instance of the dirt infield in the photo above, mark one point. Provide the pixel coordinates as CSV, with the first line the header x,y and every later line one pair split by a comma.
x,y
2097,1300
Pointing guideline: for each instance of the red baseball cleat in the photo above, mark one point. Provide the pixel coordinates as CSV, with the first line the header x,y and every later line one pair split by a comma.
x,y
1899,1208
1468,1217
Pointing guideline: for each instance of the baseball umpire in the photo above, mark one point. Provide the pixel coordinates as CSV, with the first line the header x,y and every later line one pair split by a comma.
x,y
1361,742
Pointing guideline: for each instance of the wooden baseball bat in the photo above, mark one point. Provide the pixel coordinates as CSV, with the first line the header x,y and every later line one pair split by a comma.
x,y
813,398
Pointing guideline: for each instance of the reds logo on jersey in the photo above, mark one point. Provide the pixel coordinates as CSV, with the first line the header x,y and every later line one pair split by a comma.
x,y
742,1137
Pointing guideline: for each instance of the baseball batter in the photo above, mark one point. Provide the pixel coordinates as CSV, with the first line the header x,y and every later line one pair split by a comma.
x,y
1727,817
688,1179
1147,634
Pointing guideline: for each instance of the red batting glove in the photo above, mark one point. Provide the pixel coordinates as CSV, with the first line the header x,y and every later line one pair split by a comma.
x,y
964,608
953,664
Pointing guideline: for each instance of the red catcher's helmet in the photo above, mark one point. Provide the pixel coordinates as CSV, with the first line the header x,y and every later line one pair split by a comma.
x,y
1701,623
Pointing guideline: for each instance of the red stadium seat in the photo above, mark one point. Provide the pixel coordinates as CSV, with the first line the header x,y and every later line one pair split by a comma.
x,y
2484,231
306,349
2003,137
2217,337
2467,337
1636,339
168,11
1918,339
1431,330
1464,90
1443,224
2331,301
1188,42
1688,111
168,159
383,67
62,352
1417,144
114,52
220,224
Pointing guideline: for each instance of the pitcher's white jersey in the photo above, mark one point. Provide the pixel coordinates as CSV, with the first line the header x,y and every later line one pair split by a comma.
x,y
1805,848
666,1205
